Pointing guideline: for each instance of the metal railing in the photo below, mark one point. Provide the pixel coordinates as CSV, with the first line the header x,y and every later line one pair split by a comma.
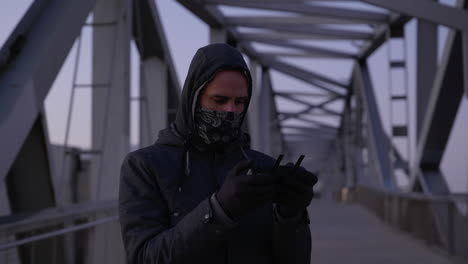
x,y
54,235
441,221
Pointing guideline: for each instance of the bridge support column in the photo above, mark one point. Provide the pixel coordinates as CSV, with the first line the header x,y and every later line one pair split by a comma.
x,y
154,99
269,130
253,117
379,146
110,120
217,35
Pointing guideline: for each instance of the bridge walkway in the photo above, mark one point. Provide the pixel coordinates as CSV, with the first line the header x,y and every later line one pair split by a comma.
x,y
349,233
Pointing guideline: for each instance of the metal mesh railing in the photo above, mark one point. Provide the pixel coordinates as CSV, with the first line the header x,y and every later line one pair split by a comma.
x,y
54,235
438,220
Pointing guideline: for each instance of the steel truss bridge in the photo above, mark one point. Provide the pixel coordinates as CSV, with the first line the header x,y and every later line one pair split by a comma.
x,y
58,203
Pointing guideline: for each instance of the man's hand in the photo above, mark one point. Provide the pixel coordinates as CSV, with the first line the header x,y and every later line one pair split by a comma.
x,y
294,190
243,191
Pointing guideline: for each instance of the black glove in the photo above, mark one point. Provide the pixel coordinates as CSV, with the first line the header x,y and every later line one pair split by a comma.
x,y
244,190
294,190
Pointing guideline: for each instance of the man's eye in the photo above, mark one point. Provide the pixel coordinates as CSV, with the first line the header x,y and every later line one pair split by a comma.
x,y
220,101
241,102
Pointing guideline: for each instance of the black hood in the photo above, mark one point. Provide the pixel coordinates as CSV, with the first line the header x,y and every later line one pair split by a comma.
x,y
205,64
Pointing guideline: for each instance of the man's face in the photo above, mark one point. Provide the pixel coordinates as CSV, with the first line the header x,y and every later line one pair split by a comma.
x,y
226,92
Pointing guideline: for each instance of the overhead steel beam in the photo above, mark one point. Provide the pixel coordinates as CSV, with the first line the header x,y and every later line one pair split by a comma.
x,y
301,94
301,74
303,20
308,109
380,35
434,12
313,10
317,50
297,55
322,131
329,111
310,105
218,35
286,67
314,30
263,35
323,112
291,70
442,109
311,135
210,15
311,129
298,1
319,124
294,99
31,59
380,145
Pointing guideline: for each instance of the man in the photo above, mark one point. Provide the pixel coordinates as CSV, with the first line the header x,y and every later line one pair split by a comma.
x,y
199,195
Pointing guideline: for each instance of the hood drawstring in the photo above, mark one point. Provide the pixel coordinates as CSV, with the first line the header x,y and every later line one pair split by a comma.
x,y
186,160
244,154
185,157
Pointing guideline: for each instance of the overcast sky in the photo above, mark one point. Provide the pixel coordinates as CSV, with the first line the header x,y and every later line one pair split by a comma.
x,y
185,34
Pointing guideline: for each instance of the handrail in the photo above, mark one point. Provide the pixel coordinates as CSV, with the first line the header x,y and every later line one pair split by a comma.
x,y
436,219
57,233
453,197
25,222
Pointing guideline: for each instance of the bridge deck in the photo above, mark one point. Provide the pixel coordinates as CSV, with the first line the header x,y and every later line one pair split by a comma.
x,y
348,233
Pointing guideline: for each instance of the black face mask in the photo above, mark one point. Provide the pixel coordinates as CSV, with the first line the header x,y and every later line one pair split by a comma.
x,y
217,128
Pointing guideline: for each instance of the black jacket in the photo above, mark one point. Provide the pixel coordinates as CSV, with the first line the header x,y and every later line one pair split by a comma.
x,y
165,199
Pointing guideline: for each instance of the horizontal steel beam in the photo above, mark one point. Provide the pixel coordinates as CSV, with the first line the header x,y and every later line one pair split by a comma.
x,y
281,93
311,76
434,12
314,30
310,135
317,123
303,20
313,10
310,105
297,55
303,75
304,128
297,1
288,35
329,111
308,109
311,49
297,100
210,15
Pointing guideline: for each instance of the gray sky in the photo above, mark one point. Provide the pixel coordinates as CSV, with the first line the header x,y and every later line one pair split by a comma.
x,y
186,33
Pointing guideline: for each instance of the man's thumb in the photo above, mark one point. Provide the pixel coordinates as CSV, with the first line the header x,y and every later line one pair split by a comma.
x,y
242,166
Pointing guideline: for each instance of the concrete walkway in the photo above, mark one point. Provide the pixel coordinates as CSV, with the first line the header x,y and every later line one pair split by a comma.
x,y
350,234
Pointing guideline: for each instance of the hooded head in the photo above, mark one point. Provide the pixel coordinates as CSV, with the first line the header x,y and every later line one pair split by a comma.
x,y
215,60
